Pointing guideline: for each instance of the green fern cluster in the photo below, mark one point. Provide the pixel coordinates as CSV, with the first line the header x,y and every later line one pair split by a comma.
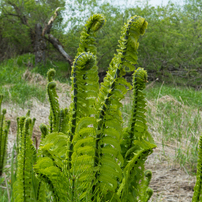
x,y
85,155
26,187
4,129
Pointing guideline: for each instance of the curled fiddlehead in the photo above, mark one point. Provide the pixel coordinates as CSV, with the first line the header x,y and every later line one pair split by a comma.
x,y
137,143
44,131
129,44
79,107
87,39
85,90
58,121
112,91
54,104
87,44
51,73
147,191
137,129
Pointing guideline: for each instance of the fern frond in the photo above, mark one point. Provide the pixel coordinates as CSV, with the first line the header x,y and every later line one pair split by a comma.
x,y
44,131
80,107
54,146
87,39
83,156
197,196
63,121
54,104
137,129
23,190
112,91
52,176
132,186
129,44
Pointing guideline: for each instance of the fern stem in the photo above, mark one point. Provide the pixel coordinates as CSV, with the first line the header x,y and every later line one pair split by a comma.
x,y
197,196
1,137
132,127
50,184
5,142
27,123
38,191
73,116
73,187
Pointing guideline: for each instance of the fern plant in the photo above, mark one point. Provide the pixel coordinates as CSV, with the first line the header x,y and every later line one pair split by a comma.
x,y
85,154
26,187
197,196
4,129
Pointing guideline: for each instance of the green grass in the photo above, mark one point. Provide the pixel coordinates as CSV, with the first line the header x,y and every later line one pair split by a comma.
x,y
174,119
22,93
186,95
62,69
17,90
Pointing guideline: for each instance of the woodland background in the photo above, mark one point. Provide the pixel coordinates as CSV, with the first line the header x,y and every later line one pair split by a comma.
x,y
171,49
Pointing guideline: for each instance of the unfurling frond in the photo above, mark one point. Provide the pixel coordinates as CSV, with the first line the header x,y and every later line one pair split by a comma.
x,y
129,44
51,73
82,156
87,39
24,185
4,129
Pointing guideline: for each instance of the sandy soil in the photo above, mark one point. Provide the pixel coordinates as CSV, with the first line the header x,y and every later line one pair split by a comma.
x,y
169,182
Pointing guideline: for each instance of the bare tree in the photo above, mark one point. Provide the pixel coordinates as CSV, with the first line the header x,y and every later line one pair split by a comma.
x,y
38,34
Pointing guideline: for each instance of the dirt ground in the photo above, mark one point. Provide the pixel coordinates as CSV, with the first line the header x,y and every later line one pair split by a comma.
x,y
169,182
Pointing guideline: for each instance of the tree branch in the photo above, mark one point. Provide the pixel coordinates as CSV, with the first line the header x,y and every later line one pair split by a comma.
x,y
18,14
47,28
59,47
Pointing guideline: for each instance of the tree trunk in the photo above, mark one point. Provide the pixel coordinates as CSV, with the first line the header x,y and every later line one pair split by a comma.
x,y
39,46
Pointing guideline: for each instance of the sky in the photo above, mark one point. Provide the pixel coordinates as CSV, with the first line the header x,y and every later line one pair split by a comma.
x,y
131,3
151,2
159,2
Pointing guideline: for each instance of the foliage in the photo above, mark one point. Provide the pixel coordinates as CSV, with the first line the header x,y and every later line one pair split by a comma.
x,y
171,48
172,53
4,129
12,85
26,186
18,20
197,189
